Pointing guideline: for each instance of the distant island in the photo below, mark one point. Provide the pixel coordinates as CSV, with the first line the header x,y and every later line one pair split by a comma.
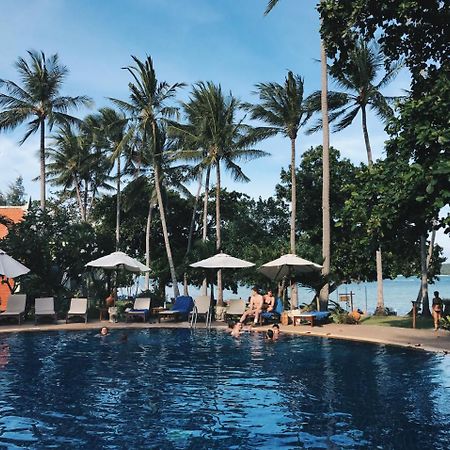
x,y
445,269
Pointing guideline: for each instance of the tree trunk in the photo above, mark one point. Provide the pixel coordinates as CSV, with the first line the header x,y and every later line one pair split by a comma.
x,y
118,205
380,310
85,199
366,136
162,214
218,235
191,231
42,163
424,277
294,292
204,290
80,202
326,225
147,244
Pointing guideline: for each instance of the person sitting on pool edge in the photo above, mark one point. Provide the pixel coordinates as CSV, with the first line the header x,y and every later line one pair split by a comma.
x,y
269,301
255,307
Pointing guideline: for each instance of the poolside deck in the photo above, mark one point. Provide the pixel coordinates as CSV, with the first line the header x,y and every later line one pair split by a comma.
x,y
429,340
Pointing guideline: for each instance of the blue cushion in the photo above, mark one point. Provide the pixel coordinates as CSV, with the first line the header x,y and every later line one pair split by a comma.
x,y
183,304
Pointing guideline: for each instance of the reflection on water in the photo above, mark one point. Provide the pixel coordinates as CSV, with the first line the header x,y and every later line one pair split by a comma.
x,y
177,389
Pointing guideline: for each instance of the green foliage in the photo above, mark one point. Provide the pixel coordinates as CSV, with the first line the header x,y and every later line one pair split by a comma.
x,y
15,195
56,247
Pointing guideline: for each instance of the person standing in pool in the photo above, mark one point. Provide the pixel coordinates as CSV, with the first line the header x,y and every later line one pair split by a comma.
x,y
437,309
255,307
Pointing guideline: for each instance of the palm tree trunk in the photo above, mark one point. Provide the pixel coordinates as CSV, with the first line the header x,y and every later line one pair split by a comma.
x,y
118,205
294,292
162,215
85,198
204,290
424,277
80,202
191,230
326,225
380,297
366,136
218,236
147,244
42,163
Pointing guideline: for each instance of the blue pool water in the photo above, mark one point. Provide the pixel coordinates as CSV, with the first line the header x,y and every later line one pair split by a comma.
x,y
176,389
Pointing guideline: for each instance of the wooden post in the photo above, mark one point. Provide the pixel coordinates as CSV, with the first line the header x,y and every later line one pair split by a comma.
x,y
414,314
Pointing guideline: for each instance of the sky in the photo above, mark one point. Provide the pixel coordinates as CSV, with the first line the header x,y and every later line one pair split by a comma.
x,y
225,41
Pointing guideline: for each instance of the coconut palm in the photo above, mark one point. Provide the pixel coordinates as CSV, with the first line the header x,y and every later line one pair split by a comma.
x,y
218,139
38,101
360,90
284,108
145,110
326,225
115,137
77,166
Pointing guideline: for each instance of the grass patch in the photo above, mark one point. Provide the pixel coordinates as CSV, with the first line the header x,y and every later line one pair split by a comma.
x,y
398,321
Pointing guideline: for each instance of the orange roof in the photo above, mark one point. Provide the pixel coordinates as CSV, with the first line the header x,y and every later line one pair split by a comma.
x,y
13,213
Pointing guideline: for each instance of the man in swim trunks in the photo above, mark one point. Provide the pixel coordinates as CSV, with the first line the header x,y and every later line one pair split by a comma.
x,y
255,307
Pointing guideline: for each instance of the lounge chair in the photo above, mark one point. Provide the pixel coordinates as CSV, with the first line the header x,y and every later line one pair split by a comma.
x,y
15,308
141,308
313,317
181,308
202,308
274,315
44,307
78,308
235,309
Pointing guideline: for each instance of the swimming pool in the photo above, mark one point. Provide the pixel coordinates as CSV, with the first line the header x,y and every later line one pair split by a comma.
x,y
180,389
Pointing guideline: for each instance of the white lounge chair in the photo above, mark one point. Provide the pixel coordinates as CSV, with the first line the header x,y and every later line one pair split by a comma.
x,y
235,308
15,307
44,307
78,308
141,308
202,307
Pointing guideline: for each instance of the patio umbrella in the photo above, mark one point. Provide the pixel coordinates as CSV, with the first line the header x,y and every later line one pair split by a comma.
x,y
290,266
222,261
10,268
119,260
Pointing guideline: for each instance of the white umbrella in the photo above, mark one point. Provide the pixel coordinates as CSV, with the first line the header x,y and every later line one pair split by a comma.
x,y
11,268
290,266
222,261
119,260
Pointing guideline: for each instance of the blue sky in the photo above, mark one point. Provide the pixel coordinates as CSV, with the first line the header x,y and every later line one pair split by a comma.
x,y
225,41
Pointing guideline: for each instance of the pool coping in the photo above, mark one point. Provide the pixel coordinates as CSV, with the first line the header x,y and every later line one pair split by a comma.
x,y
425,340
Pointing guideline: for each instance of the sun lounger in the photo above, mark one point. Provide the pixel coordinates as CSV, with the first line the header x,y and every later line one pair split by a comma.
x,y
313,317
274,315
181,308
78,308
44,307
141,308
235,309
202,308
15,308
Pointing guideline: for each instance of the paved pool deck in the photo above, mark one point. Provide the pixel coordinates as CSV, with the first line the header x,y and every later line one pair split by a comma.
x,y
428,340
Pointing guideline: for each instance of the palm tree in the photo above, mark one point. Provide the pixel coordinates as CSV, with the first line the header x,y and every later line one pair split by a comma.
x,y
326,224
220,140
146,109
284,108
360,90
39,101
76,166
115,138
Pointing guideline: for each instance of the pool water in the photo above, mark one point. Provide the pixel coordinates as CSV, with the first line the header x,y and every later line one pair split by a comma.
x,y
176,389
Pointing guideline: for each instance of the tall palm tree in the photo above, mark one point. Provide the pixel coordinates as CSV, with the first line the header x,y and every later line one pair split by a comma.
x,y
360,90
326,224
115,138
284,108
37,101
146,109
221,140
